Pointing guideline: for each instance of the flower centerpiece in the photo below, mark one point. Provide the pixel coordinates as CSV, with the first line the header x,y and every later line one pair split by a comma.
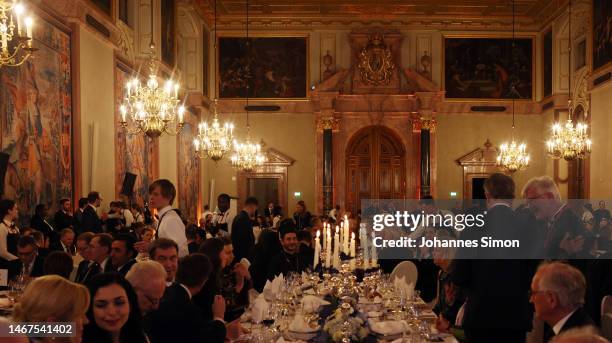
x,y
342,326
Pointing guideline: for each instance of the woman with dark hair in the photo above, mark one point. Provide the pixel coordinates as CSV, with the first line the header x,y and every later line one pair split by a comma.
x,y
9,232
114,315
232,281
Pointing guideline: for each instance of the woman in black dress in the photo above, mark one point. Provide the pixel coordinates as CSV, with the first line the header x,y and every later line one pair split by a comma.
x,y
9,232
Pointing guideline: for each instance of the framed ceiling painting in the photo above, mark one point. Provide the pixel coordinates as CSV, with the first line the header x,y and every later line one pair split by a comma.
x,y
602,45
488,68
278,67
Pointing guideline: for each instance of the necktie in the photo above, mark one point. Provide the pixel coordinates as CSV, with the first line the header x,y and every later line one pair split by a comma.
x,y
26,269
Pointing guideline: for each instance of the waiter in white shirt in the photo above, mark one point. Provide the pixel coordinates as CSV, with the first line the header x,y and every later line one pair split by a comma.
x,y
170,225
222,218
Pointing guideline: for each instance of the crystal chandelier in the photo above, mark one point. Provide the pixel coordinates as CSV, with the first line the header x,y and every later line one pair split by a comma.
x,y
15,34
513,156
214,140
568,141
247,156
153,110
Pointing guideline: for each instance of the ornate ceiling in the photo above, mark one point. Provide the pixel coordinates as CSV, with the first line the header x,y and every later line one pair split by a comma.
x,y
430,14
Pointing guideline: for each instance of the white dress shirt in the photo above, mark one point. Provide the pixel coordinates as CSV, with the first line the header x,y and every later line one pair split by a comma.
x,y
171,226
557,327
223,218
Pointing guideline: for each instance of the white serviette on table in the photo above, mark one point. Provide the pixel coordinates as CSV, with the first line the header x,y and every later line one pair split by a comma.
x,y
401,284
259,309
389,327
299,324
311,303
283,340
271,289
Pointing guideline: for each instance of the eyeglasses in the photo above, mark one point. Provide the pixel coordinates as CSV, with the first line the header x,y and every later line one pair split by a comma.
x,y
153,301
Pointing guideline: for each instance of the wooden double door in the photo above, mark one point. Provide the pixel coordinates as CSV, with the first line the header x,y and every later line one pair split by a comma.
x,y
375,166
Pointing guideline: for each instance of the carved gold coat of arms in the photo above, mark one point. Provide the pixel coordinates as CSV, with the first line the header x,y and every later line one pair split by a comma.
x,y
375,62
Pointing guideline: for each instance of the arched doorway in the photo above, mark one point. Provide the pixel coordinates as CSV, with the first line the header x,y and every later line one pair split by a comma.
x,y
375,166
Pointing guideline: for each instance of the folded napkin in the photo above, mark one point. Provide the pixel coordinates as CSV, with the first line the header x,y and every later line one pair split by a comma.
x,y
311,303
299,324
401,285
271,289
388,328
259,309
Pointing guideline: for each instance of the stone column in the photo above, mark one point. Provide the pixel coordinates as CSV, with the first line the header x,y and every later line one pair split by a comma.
x,y
327,125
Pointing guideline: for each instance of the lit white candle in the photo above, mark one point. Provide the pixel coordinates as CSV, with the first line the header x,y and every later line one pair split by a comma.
x,y
324,235
29,22
374,254
123,111
18,12
337,249
352,251
347,229
181,114
317,250
328,251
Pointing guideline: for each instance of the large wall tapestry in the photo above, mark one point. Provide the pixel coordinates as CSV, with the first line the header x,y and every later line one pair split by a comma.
x,y
136,154
188,170
36,112
279,67
602,31
488,68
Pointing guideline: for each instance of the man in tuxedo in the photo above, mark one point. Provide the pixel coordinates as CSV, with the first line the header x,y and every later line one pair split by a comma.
x,y
165,252
28,264
63,217
123,254
557,295
65,243
564,234
99,254
78,215
243,238
39,222
90,220
82,259
497,308
149,281
289,260
178,319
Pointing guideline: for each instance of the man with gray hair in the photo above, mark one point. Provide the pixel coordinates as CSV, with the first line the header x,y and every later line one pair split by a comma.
x,y
149,281
557,294
587,334
564,235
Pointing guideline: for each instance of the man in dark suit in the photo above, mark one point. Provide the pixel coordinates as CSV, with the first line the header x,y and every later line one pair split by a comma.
x,y
565,235
90,220
497,308
557,295
39,222
99,254
178,319
28,263
123,254
289,259
243,238
78,215
63,217
65,243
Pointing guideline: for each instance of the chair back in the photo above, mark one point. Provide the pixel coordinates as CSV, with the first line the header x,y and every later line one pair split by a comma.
x,y
406,269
